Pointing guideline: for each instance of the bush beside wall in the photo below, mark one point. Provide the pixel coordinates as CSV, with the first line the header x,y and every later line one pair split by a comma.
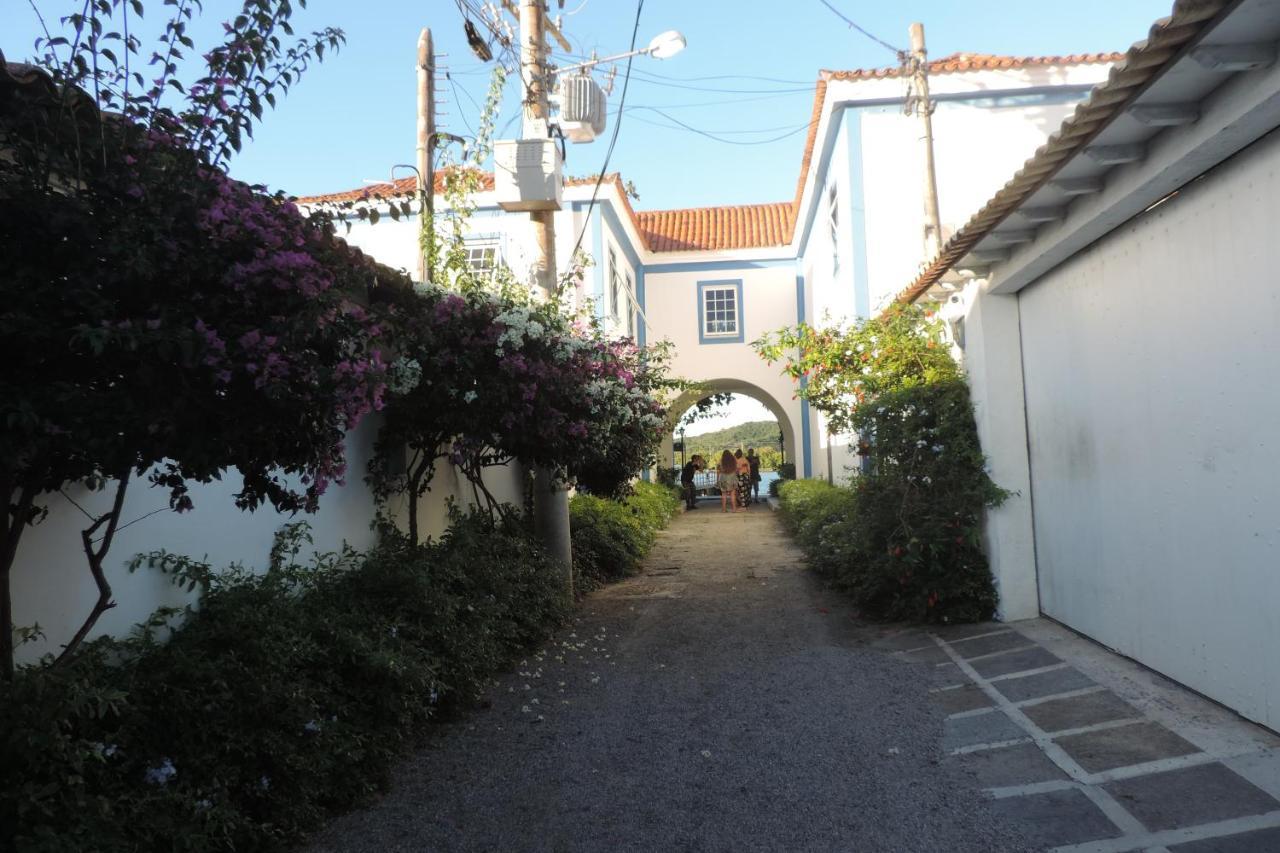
x,y
610,538
280,701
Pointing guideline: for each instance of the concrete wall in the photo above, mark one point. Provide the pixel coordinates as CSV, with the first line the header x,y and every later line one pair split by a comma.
x,y
1150,369
51,582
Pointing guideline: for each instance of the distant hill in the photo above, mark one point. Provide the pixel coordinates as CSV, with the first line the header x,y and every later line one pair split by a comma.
x,y
757,434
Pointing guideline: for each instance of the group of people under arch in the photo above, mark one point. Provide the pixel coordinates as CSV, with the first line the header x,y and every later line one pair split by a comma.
x,y
738,479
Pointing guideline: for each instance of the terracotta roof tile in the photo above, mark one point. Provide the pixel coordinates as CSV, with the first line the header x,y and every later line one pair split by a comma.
x,y
746,226
1130,75
390,189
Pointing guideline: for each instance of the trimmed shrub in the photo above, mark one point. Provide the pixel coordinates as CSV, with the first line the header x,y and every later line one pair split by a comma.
x,y
281,700
610,538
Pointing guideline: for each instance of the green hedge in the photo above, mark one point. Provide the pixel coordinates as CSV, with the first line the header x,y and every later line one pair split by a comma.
x,y
905,539
280,701
610,538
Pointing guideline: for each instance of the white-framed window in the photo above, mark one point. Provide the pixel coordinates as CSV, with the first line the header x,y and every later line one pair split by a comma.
x,y
833,223
483,257
631,311
720,311
615,287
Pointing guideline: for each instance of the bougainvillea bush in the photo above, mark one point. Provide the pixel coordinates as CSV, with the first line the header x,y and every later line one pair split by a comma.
x,y
904,537
161,319
505,377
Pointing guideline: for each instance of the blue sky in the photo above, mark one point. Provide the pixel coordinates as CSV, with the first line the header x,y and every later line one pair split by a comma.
x,y
353,117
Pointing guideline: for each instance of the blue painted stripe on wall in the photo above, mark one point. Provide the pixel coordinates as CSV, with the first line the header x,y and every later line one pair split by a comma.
x,y
806,450
720,266
858,215
642,335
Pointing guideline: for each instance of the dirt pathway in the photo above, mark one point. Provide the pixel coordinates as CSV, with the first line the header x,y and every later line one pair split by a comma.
x,y
723,700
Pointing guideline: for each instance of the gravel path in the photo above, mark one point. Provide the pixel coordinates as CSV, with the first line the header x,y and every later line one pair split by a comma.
x,y
721,701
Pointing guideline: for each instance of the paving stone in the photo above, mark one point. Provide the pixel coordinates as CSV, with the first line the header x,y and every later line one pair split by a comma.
x,y
968,698
930,655
1124,746
1015,662
1024,764
951,633
1190,796
1074,712
1258,841
987,645
946,675
991,727
1044,684
1057,818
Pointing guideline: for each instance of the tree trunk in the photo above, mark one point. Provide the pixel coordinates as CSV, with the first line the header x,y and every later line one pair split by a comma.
x,y
14,523
96,556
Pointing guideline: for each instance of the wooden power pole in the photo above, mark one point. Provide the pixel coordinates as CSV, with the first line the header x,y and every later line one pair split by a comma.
x,y
550,498
923,106
426,146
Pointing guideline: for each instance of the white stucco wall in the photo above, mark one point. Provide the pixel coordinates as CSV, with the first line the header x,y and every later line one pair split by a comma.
x,y
1150,369
768,303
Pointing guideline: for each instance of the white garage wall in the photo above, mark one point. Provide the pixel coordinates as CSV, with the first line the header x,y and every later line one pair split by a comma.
x,y
1150,372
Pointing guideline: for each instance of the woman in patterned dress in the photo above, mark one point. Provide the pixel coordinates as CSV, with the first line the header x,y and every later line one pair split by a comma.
x,y
744,479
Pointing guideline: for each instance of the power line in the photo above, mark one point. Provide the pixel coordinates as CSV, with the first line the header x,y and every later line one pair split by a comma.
x,y
613,140
679,125
899,52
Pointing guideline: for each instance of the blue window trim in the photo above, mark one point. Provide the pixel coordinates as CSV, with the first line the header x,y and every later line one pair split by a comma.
x,y
736,283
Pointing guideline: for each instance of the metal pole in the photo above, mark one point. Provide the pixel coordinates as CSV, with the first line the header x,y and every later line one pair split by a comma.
x,y
426,146
550,498
920,76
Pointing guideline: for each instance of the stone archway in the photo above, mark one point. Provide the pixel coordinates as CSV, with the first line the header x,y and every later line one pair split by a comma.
x,y
788,421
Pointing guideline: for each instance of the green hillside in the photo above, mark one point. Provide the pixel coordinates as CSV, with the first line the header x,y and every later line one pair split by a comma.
x,y
757,434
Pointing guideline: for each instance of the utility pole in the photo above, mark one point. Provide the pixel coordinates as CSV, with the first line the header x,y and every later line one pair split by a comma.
x,y
923,106
426,147
550,498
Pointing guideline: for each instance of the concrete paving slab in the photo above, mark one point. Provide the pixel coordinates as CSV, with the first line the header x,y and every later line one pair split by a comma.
x,y
930,655
1190,796
990,644
1125,746
962,699
903,641
1258,841
1043,684
1260,768
1057,818
983,728
1008,766
947,675
1014,662
1075,712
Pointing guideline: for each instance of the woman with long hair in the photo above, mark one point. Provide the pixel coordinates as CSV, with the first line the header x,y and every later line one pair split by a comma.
x,y
743,466
728,482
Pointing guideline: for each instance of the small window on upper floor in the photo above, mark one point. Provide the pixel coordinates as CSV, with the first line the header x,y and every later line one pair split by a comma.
x,y
482,257
833,222
720,314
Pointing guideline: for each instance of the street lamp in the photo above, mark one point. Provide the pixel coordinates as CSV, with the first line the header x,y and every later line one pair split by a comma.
x,y
662,46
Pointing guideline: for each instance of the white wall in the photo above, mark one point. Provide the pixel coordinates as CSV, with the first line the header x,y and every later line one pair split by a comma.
x,y
52,586
1150,371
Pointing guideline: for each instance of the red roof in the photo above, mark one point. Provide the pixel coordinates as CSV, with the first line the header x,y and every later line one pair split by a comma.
x,y
745,226
398,187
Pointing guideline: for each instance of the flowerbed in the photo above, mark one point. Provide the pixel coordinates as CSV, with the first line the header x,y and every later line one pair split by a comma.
x,y
280,701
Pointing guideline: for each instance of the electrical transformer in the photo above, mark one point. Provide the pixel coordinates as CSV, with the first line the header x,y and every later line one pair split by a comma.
x,y
527,174
582,108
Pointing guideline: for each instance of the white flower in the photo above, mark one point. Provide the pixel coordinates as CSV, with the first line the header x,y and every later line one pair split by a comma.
x,y
926,480
204,805
162,774
312,726
470,396
937,448
265,783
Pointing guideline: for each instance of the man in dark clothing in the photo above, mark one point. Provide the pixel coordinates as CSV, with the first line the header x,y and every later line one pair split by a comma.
x,y
691,467
754,461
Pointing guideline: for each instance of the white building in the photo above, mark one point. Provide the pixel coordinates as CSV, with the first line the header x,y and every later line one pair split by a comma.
x,y
1119,333
713,279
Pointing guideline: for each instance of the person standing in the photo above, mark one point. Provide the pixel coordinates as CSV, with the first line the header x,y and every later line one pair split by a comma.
x,y
687,474
728,482
744,479
755,474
